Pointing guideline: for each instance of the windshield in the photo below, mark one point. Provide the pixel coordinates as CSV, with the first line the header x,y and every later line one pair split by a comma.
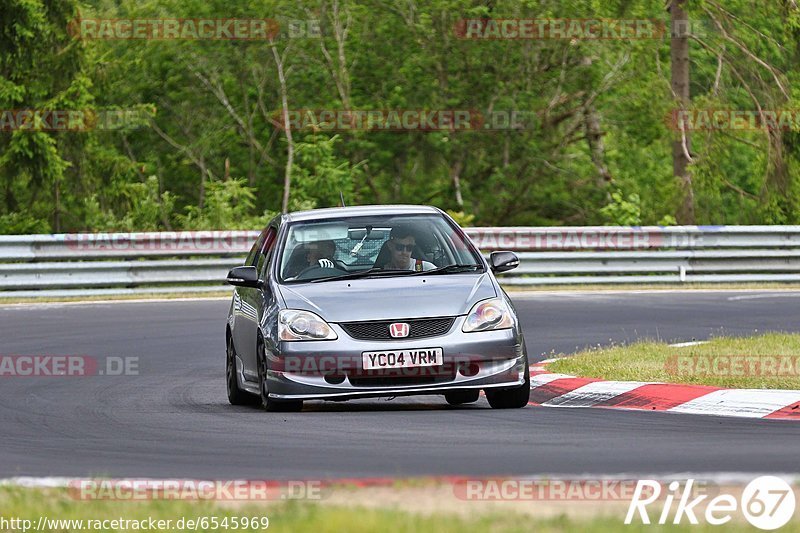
x,y
389,245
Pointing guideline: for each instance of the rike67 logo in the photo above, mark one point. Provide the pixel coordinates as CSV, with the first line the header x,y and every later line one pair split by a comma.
x,y
767,502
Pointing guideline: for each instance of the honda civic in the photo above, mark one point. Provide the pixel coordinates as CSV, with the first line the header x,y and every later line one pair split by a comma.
x,y
372,301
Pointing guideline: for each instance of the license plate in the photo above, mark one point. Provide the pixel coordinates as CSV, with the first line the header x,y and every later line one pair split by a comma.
x,y
403,358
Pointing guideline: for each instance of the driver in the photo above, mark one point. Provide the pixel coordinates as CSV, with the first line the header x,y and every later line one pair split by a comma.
x,y
401,243
321,254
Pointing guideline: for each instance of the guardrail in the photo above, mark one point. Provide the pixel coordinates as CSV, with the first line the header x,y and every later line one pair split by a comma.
x,y
118,263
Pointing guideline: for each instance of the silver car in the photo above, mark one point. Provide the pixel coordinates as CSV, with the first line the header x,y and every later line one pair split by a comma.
x,y
360,302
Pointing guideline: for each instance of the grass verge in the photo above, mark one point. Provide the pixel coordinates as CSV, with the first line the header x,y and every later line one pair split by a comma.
x,y
55,504
770,361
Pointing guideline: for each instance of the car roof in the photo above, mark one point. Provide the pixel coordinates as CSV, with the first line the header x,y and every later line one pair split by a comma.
x,y
361,210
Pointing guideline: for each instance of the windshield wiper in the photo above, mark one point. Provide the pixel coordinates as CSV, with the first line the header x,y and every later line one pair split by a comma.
x,y
363,274
449,269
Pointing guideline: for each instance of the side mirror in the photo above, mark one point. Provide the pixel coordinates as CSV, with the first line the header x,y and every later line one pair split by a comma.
x,y
503,261
244,276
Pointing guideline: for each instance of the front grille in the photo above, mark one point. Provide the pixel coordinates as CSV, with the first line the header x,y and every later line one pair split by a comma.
x,y
398,377
396,381
418,328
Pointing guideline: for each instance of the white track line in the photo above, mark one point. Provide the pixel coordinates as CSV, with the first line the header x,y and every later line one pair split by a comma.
x,y
755,403
685,344
787,294
543,379
594,393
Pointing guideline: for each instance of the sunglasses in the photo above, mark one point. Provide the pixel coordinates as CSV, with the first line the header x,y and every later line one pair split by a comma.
x,y
406,247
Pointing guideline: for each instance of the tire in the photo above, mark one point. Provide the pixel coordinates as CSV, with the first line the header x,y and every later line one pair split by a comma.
x,y
267,403
236,396
460,397
511,397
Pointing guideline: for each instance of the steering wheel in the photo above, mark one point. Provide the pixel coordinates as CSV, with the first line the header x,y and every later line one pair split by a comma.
x,y
314,267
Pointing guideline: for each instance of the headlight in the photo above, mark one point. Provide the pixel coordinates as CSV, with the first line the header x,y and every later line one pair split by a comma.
x,y
303,326
488,315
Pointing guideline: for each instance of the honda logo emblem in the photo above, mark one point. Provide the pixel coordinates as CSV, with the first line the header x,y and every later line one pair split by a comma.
x,y
398,330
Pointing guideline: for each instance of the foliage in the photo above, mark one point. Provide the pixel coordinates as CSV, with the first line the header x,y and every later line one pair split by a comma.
x,y
322,178
229,204
462,218
592,144
623,211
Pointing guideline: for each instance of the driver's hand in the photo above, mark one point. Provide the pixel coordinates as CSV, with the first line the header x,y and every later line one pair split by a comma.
x,y
326,263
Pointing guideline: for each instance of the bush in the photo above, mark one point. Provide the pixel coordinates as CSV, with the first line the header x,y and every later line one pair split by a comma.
x,y
228,205
22,224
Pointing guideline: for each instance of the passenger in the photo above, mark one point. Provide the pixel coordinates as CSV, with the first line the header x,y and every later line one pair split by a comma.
x,y
401,244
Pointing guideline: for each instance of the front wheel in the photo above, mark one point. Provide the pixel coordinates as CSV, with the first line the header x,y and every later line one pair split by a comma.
x,y
267,403
511,397
236,396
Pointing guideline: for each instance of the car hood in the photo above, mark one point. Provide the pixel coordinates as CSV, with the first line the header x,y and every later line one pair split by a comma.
x,y
389,298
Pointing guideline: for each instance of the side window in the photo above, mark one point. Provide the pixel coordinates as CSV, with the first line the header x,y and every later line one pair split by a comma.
x,y
251,256
266,249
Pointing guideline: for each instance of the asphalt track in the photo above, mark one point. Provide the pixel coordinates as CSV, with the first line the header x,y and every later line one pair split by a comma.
x,y
173,420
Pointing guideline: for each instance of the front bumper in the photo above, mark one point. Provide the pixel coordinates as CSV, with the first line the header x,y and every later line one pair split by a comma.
x,y
333,369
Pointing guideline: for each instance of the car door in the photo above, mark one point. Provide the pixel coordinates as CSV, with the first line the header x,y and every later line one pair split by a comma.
x,y
239,318
253,303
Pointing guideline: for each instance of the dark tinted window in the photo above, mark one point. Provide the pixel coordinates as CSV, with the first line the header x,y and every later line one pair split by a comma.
x,y
251,256
266,248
